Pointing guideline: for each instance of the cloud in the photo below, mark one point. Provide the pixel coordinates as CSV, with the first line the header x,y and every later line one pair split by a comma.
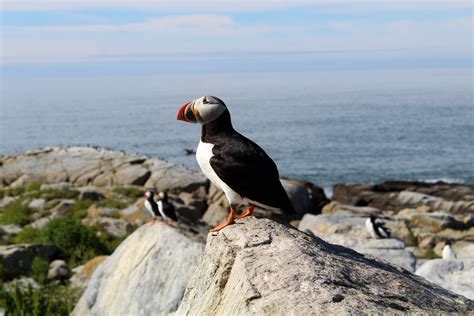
x,y
187,36
173,34
219,6
183,23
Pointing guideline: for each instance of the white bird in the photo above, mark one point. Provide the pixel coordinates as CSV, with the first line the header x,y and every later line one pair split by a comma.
x,y
448,252
376,229
151,206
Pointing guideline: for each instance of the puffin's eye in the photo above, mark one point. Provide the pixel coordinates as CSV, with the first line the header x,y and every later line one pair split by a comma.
x,y
205,101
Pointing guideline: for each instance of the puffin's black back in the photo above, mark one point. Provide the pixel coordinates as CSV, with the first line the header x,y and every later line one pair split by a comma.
x,y
244,166
169,210
154,206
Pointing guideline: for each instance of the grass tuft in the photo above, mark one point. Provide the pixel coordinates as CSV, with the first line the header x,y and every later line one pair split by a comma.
x,y
15,213
130,192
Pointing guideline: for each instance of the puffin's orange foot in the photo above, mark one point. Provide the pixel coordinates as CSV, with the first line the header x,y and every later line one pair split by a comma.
x,y
218,228
153,222
247,212
230,220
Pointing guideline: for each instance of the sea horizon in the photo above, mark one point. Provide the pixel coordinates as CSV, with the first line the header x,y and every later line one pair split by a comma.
x,y
327,127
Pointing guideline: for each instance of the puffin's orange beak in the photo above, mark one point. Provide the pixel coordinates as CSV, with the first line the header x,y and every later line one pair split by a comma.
x,y
181,116
186,114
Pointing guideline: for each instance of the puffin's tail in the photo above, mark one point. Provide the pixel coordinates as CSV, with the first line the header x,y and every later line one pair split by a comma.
x,y
289,209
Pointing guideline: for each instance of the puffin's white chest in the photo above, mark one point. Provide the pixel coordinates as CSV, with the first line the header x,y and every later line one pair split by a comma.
x,y
160,209
448,253
370,228
203,156
149,208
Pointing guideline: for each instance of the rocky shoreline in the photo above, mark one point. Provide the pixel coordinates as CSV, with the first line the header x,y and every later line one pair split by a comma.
x,y
96,194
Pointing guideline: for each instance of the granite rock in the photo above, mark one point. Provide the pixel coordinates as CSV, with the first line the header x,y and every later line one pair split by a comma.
x,y
454,275
146,275
261,267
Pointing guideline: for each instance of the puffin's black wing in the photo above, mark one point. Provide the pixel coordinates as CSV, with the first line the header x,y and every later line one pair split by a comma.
x,y
169,211
154,207
379,228
249,171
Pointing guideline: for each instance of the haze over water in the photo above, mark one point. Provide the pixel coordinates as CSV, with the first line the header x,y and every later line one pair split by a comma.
x,y
326,127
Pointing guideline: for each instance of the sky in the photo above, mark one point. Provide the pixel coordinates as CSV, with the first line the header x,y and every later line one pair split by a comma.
x,y
152,36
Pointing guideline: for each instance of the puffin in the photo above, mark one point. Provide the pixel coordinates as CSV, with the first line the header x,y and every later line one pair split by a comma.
x,y
166,209
151,206
376,228
448,251
234,163
163,208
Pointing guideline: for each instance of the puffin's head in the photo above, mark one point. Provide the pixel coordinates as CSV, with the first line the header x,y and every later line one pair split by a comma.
x,y
163,195
149,194
201,110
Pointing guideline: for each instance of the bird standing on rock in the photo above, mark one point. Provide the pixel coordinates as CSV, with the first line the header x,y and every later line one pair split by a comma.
x,y
448,252
232,162
151,206
376,228
166,209
162,208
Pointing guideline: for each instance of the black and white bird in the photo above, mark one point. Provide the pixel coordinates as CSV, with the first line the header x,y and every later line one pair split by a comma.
x,y
166,209
161,208
448,251
235,164
151,206
376,228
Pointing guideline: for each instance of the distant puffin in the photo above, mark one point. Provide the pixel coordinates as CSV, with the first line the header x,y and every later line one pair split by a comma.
x,y
376,228
152,206
235,164
163,208
448,251
166,208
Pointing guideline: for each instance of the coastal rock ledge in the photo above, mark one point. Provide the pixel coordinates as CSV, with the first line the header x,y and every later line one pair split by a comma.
x,y
261,267
255,267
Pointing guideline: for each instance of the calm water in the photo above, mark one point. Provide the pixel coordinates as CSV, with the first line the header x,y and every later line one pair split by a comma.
x,y
327,127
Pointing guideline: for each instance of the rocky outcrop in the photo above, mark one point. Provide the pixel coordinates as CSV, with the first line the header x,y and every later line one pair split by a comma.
x,y
260,267
305,196
146,275
58,270
454,275
114,226
389,249
397,195
98,167
348,230
83,274
17,259
340,223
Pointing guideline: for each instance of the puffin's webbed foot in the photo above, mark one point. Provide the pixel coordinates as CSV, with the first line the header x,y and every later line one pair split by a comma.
x,y
247,212
229,221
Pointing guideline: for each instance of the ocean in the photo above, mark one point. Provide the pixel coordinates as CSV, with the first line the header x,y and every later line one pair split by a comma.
x,y
326,127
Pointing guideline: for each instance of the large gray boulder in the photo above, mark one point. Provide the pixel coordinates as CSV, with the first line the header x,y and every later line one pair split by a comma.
x,y
389,249
114,226
146,275
17,259
261,267
339,223
343,228
305,196
455,275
